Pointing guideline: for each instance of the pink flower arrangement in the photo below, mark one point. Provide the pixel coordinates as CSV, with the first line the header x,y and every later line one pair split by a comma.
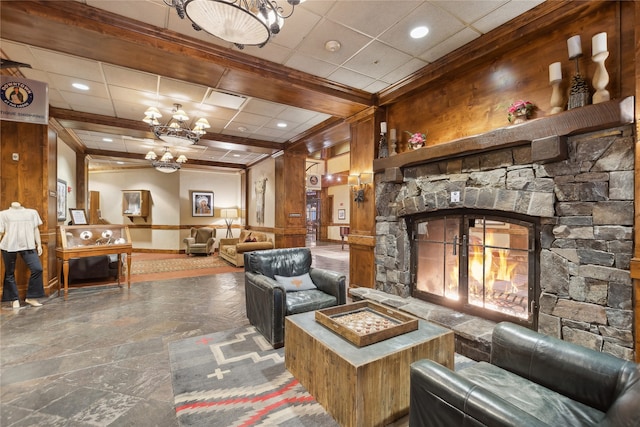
x,y
417,139
520,108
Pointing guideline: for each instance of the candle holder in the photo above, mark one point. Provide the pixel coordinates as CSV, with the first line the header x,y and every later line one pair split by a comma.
x,y
555,76
393,143
600,78
557,100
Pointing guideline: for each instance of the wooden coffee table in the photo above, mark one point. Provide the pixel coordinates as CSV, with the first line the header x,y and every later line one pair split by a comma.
x,y
360,386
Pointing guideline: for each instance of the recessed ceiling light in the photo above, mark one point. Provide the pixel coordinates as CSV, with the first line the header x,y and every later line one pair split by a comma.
x,y
236,155
120,163
332,46
282,125
419,32
242,128
107,139
80,86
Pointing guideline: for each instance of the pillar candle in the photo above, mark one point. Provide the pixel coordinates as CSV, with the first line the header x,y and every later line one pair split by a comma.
x,y
555,72
575,47
599,43
393,134
383,127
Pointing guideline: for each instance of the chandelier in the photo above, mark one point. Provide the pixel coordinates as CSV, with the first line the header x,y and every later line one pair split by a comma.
x,y
166,164
241,22
175,132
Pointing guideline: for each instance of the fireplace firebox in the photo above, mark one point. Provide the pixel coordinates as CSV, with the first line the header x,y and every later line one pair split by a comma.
x,y
477,262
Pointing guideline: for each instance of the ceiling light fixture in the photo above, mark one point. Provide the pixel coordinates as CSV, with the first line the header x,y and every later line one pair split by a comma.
x,y
419,32
166,164
80,86
332,46
175,132
241,22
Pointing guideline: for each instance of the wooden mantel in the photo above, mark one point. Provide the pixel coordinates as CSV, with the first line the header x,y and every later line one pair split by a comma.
x,y
579,120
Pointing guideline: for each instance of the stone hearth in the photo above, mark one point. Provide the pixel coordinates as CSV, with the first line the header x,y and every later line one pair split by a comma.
x,y
582,196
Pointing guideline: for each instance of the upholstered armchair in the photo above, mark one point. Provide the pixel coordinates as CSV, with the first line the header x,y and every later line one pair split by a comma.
x,y
280,282
201,241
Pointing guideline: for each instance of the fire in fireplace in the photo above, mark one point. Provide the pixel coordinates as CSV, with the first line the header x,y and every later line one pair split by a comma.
x,y
476,262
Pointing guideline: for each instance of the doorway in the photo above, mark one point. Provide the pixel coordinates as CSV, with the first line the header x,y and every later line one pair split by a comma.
x,y
313,216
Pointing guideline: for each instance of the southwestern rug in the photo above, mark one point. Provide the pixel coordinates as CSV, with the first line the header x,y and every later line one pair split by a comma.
x,y
236,379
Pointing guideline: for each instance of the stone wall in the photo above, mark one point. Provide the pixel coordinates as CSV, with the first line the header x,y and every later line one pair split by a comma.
x,y
585,207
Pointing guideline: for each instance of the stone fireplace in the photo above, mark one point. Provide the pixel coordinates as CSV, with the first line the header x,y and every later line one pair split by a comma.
x,y
573,193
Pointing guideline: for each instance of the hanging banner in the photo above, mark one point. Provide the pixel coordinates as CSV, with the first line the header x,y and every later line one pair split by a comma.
x,y
314,182
24,100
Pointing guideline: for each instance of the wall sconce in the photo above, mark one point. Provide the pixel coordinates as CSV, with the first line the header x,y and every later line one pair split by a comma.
x,y
358,184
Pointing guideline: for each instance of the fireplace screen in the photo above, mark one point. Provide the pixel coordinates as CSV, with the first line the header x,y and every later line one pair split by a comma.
x,y
476,263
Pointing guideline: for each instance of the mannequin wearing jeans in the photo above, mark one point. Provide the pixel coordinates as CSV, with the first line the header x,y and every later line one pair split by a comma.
x,y
20,236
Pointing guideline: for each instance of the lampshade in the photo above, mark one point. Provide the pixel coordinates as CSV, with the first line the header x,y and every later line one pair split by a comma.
x,y
229,213
353,180
366,178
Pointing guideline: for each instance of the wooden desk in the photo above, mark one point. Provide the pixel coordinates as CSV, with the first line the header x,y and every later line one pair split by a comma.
x,y
64,255
360,386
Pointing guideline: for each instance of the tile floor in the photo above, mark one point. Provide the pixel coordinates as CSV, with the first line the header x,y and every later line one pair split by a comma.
x,y
101,357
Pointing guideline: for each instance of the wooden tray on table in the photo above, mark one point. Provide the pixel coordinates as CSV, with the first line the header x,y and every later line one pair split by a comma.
x,y
365,322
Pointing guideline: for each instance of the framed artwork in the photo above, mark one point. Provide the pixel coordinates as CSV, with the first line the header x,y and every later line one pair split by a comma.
x,y
78,216
201,203
342,214
61,198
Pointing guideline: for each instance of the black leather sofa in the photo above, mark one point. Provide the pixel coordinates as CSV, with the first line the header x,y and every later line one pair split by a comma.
x,y
267,301
100,267
532,380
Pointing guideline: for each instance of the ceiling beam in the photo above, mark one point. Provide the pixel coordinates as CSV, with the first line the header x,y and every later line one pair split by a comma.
x,y
120,155
77,29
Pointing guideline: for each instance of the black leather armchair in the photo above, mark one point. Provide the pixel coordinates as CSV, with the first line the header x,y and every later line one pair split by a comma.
x,y
532,380
268,303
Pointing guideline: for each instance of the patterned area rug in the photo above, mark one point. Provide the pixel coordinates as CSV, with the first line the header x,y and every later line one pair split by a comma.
x,y
176,264
235,378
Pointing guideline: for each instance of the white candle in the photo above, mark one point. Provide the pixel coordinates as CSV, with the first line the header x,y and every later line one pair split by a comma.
x,y
555,72
598,43
575,47
393,134
383,127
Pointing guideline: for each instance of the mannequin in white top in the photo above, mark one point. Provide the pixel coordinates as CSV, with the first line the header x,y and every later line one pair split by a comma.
x,y
19,235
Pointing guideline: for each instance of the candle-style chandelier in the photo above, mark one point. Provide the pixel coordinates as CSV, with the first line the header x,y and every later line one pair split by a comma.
x,y
241,22
166,164
176,132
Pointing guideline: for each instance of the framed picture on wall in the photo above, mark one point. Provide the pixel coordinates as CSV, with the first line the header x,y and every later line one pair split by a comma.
x,y
78,216
201,203
61,197
342,214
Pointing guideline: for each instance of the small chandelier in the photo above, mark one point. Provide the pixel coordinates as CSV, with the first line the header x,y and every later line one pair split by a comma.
x,y
241,22
175,132
166,164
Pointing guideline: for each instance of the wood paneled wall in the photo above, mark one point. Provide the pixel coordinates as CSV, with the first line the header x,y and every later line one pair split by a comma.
x,y
469,95
31,180
362,220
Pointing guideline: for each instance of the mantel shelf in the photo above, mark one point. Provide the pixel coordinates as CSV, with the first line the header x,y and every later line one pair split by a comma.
x,y
579,120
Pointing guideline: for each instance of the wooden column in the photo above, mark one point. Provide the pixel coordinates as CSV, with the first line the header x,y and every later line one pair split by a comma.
x,y
290,230
28,171
362,239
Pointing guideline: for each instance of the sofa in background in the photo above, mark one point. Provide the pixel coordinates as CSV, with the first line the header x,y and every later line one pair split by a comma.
x,y
200,241
532,380
268,300
232,250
